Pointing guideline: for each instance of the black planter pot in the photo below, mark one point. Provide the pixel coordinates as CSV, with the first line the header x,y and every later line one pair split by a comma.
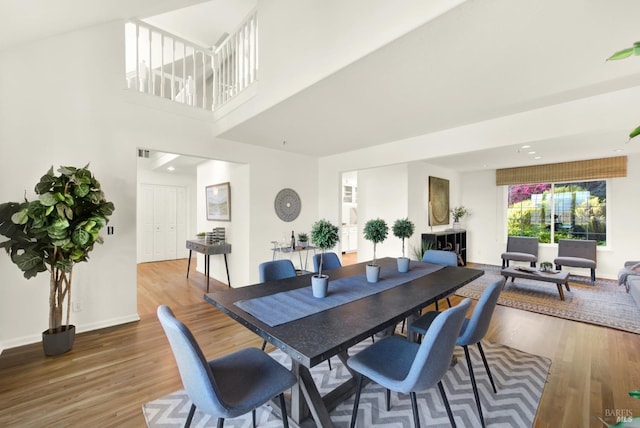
x,y
58,343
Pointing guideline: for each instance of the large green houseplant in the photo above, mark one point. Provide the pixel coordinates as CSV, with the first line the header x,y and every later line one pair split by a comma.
x,y
403,228
54,232
626,53
376,231
325,236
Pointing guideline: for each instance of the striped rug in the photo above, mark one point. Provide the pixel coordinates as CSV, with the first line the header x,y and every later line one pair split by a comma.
x,y
519,378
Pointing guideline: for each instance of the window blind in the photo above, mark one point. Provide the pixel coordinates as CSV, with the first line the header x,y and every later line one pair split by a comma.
x,y
592,169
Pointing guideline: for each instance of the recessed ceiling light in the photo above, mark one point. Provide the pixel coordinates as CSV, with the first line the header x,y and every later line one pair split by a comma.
x,y
617,150
531,153
537,157
525,146
171,168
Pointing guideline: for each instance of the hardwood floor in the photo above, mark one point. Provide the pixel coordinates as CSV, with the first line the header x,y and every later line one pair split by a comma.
x,y
110,373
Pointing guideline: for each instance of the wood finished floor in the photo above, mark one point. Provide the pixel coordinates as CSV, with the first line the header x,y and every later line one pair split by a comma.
x,y
110,373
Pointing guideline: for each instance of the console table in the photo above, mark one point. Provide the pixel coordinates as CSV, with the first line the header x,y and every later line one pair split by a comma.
x,y
200,246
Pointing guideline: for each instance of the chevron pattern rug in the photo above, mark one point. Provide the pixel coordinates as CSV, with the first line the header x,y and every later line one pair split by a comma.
x,y
605,304
519,378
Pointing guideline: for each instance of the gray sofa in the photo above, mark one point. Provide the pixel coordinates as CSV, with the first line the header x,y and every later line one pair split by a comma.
x,y
629,276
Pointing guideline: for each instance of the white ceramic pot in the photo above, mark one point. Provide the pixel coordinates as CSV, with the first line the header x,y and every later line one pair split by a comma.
x,y
373,273
320,285
403,264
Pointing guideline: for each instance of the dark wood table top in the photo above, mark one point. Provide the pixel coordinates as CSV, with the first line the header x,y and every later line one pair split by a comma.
x,y
315,338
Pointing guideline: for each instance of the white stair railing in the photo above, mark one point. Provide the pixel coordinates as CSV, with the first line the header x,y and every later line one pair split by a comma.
x,y
236,60
161,64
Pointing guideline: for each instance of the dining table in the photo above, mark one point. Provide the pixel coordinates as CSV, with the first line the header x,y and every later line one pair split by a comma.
x,y
311,330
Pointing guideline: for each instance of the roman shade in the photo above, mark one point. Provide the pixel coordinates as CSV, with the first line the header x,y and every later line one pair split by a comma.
x,y
592,169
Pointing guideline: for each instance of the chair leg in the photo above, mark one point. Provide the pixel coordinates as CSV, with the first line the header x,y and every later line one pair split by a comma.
x,y
264,344
402,328
414,406
449,302
354,414
486,367
192,411
437,306
473,384
329,362
504,263
220,422
388,397
253,417
283,407
446,404
593,276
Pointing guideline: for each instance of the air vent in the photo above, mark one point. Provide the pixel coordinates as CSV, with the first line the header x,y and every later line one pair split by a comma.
x,y
143,153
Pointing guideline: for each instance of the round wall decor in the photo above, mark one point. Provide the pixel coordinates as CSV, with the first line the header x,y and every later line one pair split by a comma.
x,y
287,204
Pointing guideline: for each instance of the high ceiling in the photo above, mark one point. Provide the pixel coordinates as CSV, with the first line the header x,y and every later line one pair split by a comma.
x,y
481,61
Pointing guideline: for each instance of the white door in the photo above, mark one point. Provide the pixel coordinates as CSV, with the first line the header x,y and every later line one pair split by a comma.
x,y
163,222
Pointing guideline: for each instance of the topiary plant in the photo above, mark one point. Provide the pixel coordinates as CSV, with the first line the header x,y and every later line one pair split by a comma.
x,y
56,231
325,236
403,228
376,231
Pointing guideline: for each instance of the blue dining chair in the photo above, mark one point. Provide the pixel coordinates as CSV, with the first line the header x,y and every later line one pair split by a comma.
x,y
408,367
329,261
229,386
441,257
472,332
276,269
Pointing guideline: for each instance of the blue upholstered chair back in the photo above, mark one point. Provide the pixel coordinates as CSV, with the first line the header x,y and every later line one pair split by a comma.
x,y
440,257
195,372
434,355
329,261
474,328
277,269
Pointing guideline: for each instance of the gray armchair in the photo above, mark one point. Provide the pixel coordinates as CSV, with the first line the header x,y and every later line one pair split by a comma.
x,y
578,253
521,249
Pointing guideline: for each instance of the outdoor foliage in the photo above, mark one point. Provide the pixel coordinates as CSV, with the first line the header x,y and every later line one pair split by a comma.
x,y
56,230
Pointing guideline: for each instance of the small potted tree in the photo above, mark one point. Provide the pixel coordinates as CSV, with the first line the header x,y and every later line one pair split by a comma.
x,y
376,231
325,236
403,228
458,213
53,233
303,240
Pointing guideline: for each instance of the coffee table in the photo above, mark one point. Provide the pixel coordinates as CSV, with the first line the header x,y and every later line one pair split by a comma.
x,y
554,276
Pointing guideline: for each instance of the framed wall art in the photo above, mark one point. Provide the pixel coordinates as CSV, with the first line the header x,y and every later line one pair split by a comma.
x,y
218,197
438,201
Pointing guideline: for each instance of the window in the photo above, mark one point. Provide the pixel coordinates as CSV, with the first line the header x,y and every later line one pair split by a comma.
x,y
552,211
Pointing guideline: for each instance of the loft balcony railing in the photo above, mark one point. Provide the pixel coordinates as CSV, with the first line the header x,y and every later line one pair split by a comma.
x,y
162,64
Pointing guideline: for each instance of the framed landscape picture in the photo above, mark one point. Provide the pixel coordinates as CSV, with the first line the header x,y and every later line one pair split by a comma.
x,y
438,201
218,197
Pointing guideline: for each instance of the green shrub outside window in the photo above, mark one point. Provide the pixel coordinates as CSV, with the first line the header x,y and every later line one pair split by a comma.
x,y
552,211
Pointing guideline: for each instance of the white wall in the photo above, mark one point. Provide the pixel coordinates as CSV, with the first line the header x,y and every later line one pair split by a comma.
x,y
78,112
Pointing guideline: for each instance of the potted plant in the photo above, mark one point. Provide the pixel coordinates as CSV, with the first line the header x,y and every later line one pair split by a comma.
x,y
376,231
546,266
303,240
53,233
458,213
324,235
403,228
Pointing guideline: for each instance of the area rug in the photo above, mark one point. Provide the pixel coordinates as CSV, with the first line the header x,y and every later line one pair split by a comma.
x,y
519,378
605,304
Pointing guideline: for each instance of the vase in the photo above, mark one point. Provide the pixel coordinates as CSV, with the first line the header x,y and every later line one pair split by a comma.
x,y
403,264
373,273
58,343
320,285
457,225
